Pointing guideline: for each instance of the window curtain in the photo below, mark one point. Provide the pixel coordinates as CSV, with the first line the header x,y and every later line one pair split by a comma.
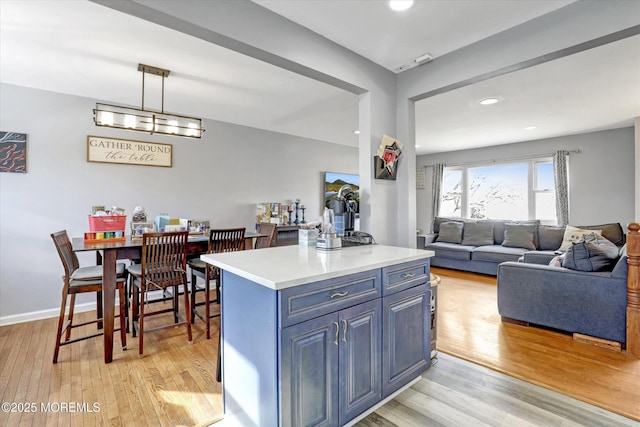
x,y
561,174
436,190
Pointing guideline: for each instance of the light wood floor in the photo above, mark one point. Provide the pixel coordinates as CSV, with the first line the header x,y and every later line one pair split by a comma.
x,y
174,384
453,394
456,393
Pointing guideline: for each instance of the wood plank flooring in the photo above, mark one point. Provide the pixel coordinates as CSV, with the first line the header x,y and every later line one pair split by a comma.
x,y
455,393
459,393
173,385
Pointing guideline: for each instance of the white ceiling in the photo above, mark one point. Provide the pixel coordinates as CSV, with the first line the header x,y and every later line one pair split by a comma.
x,y
81,48
395,39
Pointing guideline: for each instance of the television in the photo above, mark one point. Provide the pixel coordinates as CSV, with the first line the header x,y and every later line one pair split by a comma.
x,y
333,181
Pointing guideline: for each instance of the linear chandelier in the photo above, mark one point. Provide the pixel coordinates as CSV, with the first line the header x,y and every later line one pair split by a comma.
x,y
147,120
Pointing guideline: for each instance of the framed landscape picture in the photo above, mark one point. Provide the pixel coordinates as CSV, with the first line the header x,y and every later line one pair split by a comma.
x,y
333,181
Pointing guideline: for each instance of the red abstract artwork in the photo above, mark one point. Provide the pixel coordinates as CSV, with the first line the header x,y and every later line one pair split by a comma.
x,y
13,152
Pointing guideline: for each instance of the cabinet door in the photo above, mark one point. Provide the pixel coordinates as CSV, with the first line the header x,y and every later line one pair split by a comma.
x,y
406,337
360,359
309,372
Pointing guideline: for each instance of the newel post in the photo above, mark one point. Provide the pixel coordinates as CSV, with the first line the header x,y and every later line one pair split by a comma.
x,y
633,290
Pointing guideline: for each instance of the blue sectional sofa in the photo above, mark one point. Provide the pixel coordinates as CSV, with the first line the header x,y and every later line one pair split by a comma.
x,y
484,244
589,303
531,291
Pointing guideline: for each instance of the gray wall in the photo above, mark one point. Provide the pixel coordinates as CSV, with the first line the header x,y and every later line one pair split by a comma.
x,y
220,177
601,175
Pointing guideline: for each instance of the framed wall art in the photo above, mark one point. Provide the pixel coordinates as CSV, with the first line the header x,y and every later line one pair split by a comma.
x,y
13,152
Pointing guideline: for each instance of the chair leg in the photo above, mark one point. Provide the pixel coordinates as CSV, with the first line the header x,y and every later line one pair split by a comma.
x,y
141,320
123,316
127,293
60,323
72,305
187,308
135,303
194,280
176,299
218,289
207,305
99,309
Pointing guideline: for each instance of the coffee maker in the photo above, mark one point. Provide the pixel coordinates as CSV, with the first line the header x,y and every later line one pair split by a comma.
x,y
344,208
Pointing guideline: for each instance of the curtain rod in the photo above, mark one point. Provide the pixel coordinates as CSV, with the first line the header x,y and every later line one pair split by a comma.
x,y
506,159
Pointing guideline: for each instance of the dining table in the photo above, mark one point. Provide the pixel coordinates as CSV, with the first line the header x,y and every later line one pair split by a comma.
x,y
107,254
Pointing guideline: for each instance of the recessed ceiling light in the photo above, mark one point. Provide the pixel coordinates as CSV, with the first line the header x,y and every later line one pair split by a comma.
x,y
400,5
530,128
357,132
417,146
489,101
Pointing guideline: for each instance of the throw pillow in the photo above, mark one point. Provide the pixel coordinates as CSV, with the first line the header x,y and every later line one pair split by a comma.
x,y
574,235
478,234
592,253
519,236
450,232
550,237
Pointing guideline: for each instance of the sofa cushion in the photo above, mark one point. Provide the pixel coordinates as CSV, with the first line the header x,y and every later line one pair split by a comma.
x,y
612,232
592,253
550,237
539,257
519,235
477,233
451,250
573,235
450,232
441,220
496,253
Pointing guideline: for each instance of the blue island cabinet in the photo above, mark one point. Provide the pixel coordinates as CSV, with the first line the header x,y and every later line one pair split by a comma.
x,y
322,353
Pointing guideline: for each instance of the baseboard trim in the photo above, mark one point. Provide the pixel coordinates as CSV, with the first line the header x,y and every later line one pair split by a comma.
x,y
42,314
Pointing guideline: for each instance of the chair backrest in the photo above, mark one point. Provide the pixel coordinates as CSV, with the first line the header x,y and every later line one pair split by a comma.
x,y
164,258
266,241
65,251
226,240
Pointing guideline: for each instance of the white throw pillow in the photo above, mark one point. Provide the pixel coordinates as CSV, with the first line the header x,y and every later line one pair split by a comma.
x,y
574,235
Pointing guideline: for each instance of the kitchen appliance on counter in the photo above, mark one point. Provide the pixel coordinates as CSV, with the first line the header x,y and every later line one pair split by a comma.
x,y
344,207
328,239
357,238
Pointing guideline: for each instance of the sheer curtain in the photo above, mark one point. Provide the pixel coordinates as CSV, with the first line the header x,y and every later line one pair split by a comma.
x,y
561,173
436,189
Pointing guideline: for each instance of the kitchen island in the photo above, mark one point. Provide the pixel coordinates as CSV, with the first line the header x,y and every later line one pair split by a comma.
x,y
313,337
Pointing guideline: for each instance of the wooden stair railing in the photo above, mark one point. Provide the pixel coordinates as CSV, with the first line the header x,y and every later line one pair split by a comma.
x,y
633,290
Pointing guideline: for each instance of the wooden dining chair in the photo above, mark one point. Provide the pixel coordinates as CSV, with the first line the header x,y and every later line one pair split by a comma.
x,y
78,280
162,266
220,240
268,235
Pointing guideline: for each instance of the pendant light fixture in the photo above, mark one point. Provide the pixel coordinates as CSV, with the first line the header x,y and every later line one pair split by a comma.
x,y
147,120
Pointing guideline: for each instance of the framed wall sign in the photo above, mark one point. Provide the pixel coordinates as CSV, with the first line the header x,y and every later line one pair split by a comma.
x,y
113,150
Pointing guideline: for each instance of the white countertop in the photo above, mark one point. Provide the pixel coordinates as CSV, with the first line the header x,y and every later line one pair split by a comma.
x,y
286,266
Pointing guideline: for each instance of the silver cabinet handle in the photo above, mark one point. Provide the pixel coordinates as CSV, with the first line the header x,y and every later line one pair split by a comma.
x,y
344,330
339,294
408,275
335,341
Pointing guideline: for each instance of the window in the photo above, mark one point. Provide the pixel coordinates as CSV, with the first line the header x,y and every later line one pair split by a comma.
x,y
451,203
519,191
